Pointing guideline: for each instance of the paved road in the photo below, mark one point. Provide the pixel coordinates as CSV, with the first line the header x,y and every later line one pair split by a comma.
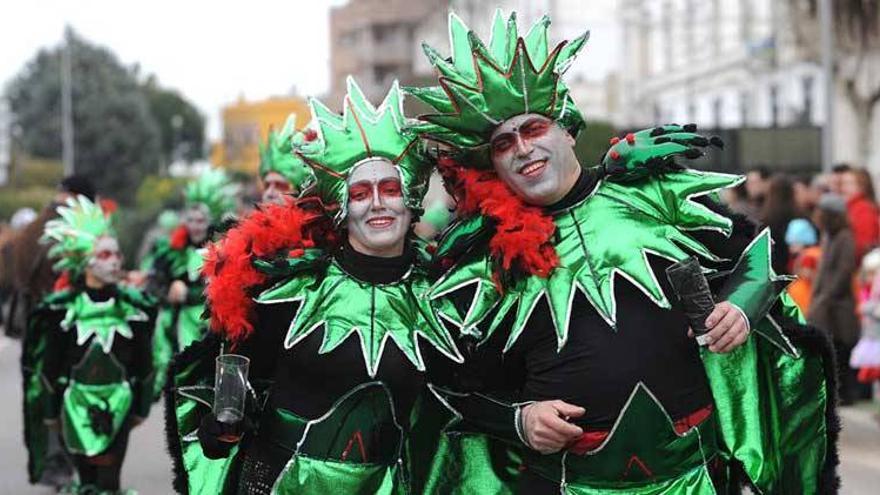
x,y
148,470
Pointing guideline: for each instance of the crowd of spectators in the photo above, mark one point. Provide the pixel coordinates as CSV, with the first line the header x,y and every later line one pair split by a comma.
x,y
826,231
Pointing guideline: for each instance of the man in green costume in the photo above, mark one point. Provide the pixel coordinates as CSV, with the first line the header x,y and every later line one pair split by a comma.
x,y
589,368
87,371
175,264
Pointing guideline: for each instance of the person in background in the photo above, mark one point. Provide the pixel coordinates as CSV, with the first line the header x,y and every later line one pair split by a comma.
x,y
737,199
86,360
804,254
33,277
865,356
833,306
757,183
861,207
777,212
8,233
835,178
806,194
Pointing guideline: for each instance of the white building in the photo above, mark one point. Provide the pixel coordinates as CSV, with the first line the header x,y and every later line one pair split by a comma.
x,y
723,64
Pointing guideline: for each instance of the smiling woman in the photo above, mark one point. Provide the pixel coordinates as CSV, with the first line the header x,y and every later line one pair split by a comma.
x,y
378,219
332,322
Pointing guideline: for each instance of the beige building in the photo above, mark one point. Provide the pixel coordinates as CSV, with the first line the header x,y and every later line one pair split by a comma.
x,y
374,41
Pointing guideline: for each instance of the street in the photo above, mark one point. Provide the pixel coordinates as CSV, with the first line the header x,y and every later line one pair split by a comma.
x,y
148,468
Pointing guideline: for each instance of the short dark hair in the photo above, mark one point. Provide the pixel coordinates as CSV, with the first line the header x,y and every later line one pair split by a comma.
x,y
78,184
841,168
761,170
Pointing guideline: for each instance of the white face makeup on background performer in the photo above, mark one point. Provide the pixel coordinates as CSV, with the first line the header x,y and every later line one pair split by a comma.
x,y
105,265
378,218
535,157
196,220
275,187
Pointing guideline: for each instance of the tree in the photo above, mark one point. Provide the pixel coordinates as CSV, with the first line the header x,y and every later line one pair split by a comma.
x,y
857,55
181,125
116,138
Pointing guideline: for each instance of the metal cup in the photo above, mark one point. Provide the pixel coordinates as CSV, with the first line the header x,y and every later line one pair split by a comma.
x,y
230,388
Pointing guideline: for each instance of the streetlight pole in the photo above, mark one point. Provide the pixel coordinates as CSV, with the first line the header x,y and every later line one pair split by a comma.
x,y
826,40
67,151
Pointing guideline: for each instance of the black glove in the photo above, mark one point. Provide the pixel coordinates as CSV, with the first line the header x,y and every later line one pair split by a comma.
x,y
211,431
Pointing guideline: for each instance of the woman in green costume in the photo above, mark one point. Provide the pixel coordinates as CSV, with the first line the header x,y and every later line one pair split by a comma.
x,y
88,374
174,268
326,296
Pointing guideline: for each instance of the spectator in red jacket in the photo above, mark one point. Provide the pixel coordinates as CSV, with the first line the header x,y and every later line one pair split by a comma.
x,y
861,207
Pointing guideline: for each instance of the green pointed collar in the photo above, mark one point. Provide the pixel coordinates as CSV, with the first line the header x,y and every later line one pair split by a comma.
x,y
343,305
607,235
103,320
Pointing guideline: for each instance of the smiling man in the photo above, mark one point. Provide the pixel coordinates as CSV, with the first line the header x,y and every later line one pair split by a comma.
x,y
607,390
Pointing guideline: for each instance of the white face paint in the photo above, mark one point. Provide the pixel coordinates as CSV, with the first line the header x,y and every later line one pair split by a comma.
x,y
196,220
378,218
535,158
275,187
105,265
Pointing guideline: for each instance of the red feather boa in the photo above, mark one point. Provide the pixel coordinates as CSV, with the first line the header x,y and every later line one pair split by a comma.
x,y
523,233
229,270
179,238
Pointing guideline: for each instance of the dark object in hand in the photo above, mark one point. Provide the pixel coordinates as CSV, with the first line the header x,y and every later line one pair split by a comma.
x,y
217,438
694,296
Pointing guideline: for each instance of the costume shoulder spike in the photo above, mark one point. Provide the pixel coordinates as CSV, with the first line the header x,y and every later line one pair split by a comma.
x,y
80,223
276,155
484,85
361,132
215,190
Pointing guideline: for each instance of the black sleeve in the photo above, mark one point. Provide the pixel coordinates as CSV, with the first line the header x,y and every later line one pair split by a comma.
x,y
266,342
729,248
159,278
56,365
142,372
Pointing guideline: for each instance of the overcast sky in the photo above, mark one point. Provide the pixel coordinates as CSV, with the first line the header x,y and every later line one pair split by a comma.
x,y
211,51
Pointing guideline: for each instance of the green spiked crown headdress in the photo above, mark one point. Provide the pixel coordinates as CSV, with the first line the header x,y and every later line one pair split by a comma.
x,y
215,190
73,234
360,133
277,156
481,87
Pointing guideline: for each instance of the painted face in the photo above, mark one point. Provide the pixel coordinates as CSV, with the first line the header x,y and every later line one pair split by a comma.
x,y
106,261
535,158
378,218
275,187
196,221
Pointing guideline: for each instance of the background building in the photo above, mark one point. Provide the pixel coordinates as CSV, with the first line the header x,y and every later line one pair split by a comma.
x,y
246,124
732,65
375,41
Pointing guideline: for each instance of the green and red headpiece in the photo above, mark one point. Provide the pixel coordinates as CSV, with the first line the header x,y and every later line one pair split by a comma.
x,y
363,132
277,156
482,86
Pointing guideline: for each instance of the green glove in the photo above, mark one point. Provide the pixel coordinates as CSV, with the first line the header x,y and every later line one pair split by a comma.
x,y
653,151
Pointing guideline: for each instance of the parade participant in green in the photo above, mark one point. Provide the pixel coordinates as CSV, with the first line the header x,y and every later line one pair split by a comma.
x,y
282,173
87,371
327,297
174,272
567,302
